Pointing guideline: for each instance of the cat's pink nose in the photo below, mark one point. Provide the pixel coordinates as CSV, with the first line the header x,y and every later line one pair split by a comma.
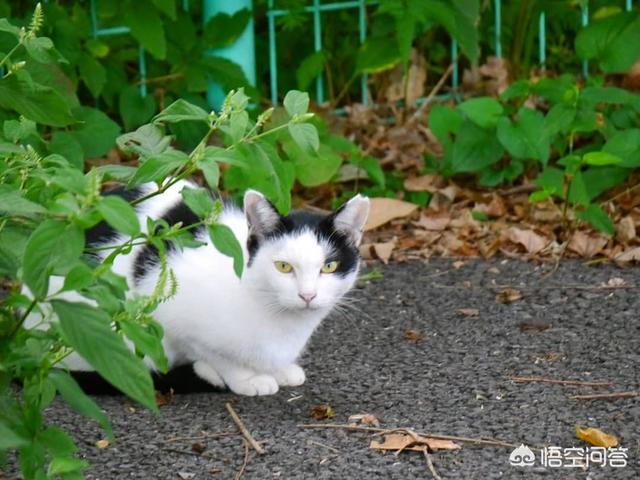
x,y
307,297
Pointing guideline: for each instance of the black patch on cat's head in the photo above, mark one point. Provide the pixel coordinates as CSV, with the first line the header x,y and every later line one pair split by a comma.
x,y
344,251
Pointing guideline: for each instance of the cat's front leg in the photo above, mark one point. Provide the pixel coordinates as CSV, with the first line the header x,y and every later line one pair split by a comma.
x,y
290,376
238,378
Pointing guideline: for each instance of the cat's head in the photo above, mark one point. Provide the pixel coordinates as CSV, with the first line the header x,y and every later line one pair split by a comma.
x,y
303,261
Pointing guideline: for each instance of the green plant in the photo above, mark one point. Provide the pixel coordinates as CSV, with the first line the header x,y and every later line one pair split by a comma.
x,y
47,203
583,141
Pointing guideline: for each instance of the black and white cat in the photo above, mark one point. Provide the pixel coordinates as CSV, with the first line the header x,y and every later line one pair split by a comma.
x,y
245,333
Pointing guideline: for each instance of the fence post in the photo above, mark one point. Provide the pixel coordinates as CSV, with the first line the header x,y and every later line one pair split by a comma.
x,y
241,52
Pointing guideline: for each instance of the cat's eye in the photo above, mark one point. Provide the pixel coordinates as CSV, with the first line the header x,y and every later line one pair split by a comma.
x,y
329,267
283,267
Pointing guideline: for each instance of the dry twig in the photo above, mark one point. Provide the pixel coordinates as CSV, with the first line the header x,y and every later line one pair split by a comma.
x,y
245,460
245,433
203,436
605,396
432,469
434,91
559,382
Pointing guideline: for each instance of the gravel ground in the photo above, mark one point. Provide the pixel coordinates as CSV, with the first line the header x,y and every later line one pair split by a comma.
x,y
453,380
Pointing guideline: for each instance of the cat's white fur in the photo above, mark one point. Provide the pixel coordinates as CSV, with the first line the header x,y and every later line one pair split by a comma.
x,y
243,333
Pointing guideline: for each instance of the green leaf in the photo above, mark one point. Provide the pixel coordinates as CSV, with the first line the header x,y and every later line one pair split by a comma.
x,y
222,30
97,134
226,243
459,18
559,119
52,245
371,165
120,173
316,168
198,200
7,27
613,41
65,465
88,330
238,124
181,111
475,148
483,111
78,277
601,179
601,159
66,145
444,120
168,7
41,49
148,340
119,214
78,400
13,203
626,145
518,89
598,219
525,138
578,190
9,439
551,179
376,55
225,72
146,26
158,167
211,171
306,136
38,103
594,95
146,141
309,69
93,74
540,195
16,130
135,109
57,441
296,102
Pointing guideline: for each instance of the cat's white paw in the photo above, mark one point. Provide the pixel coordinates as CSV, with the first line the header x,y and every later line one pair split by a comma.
x,y
256,385
208,373
290,376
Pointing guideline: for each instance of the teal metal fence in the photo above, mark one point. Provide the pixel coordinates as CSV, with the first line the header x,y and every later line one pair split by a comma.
x,y
316,9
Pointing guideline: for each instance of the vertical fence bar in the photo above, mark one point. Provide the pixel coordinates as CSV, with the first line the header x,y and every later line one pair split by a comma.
x,y
585,22
362,21
273,65
454,60
542,41
628,5
94,19
498,27
142,62
317,45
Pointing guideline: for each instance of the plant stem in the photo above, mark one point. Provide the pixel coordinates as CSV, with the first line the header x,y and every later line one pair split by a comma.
x,y
11,52
24,316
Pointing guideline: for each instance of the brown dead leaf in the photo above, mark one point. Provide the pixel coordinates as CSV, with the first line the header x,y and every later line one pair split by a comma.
x,y
596,437
458,264
413,336
587,245
530,240
468,312
626,229
629,255
322,412
493,270
508,295
424,183
163,399
534,327
615,282
383,210
494,209
434,221
364,419
197,447
415,80
403,441
104,443
383,251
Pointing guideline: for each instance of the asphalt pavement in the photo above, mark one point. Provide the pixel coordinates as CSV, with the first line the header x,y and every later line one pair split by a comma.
x,y
431,349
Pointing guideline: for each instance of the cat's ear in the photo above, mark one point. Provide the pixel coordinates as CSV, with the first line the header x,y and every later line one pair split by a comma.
x,y
351,218
260,212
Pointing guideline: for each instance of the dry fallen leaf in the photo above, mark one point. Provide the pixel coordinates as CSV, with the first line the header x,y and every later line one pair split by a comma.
x,y
458,264
596,437
494,270
104,443
626,229
383,210
322,412
364,419
468,312
629,255
197,447
413,336
163,399
530,240
615,282
434,221
383,251
423,183
534,327
404,441
508,295
586,245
